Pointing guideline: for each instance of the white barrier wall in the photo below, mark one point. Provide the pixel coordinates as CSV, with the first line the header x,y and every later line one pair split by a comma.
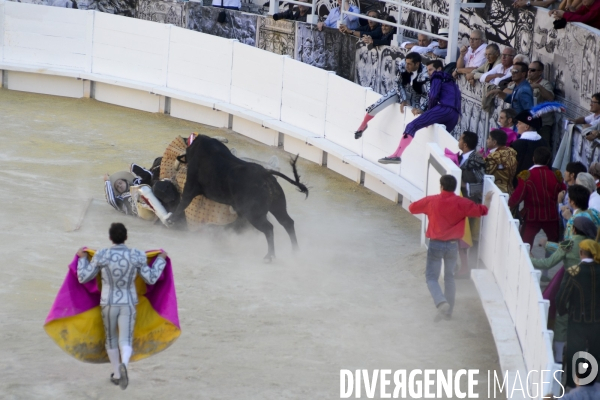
x,y
202,67
47,36
304,96
345,112
257,80
131,49
503,252
138,64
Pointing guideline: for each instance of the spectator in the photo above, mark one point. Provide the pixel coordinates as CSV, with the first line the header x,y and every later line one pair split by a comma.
x,y
507,84
579,197
500,71
543,91
473,56
569,5
538,188
501,162
350,21
529,3
579,297
443,107
507,122
442,50
294,13
413,87
588,13
567,252
387,34
529,140
571,172
446,213
492,55
424,44
587,180
228,4
522,96
595,196
372,28
594,117
595,172
521,58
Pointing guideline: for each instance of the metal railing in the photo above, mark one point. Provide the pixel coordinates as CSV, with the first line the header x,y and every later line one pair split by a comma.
x,y
453,19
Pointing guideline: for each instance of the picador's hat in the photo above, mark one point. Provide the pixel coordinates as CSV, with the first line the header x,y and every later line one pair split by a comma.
x,y
125,175
533,117
526,118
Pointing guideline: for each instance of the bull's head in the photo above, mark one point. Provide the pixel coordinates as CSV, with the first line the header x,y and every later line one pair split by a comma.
x,y
180,159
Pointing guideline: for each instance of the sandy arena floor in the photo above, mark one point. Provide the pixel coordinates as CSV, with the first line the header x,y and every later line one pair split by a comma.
x,y
354,297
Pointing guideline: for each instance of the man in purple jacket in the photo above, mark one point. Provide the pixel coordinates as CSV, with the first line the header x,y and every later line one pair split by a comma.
x,y
443,108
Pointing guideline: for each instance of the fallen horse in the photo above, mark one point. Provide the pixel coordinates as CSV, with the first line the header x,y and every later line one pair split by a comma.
x,y
250,189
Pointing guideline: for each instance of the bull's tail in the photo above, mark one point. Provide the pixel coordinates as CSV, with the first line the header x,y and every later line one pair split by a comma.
x,y
301,187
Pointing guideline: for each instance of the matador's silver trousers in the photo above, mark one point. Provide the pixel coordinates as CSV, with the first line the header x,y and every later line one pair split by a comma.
x,y
123,317
391,97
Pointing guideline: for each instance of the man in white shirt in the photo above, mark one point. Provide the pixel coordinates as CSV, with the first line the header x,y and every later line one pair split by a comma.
x,y
594,117
424,44
502,70
350,21
473,56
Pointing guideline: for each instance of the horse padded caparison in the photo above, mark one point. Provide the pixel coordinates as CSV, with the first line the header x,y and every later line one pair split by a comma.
x,y
249,188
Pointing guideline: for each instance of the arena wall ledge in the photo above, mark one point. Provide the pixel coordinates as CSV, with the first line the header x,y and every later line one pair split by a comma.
x,y
277,101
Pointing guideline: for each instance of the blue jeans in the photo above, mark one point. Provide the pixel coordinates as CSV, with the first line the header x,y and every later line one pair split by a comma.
x,y
448,251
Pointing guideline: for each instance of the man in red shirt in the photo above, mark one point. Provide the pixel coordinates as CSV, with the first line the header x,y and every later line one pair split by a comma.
x,y
446,212
538,187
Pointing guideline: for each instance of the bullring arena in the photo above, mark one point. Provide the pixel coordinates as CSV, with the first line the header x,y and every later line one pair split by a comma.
x,y
354,297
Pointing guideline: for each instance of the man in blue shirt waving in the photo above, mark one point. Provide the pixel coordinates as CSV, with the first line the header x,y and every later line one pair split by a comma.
x,y
522,96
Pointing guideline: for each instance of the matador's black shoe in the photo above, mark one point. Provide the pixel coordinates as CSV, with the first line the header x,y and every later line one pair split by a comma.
x,y
124,381
358,134
114,380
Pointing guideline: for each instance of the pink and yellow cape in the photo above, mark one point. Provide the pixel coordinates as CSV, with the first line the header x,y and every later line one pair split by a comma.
x,y
75,321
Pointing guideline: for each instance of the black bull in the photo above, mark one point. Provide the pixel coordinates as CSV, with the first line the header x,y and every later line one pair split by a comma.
x,y
252,190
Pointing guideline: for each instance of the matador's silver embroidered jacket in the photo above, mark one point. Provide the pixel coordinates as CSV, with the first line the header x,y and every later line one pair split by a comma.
x,y
119,266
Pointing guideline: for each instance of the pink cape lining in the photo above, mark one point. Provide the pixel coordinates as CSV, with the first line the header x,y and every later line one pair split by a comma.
x,y
552,290
75,298
451,155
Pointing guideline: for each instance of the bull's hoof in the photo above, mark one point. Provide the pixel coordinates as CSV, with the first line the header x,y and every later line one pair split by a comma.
x,y
268,259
